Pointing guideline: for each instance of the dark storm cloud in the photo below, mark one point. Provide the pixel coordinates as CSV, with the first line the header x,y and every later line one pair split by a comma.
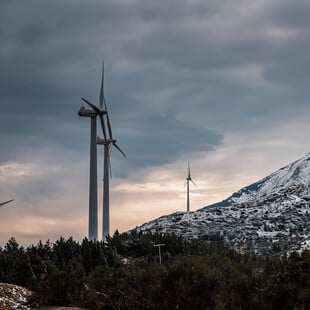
x,y
178,73
165,139
291,14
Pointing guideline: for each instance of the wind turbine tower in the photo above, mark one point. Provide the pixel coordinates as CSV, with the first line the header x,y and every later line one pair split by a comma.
x,y
93,195
188,179
108,142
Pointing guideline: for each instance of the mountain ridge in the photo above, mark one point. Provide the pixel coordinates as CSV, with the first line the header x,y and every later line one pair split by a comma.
x,y
283,174
268,217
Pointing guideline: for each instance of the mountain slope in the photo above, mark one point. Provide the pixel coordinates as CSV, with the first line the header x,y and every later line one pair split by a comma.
x,y
296,173
269,217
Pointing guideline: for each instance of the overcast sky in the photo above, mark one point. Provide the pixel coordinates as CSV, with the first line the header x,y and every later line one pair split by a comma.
x,y
222,84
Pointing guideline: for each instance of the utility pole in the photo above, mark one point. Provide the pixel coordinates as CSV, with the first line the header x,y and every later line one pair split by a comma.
x,y
159,245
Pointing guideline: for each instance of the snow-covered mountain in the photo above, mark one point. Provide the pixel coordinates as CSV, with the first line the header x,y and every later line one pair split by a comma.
x,y
271,216
296,173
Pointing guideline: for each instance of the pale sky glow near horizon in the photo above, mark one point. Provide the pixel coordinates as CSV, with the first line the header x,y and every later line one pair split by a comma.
x,y
222,84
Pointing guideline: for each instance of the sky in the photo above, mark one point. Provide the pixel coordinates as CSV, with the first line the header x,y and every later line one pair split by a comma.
x,y
221,84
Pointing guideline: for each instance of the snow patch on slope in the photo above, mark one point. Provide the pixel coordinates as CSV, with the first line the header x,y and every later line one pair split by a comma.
x,y
267,217
296,173
13,297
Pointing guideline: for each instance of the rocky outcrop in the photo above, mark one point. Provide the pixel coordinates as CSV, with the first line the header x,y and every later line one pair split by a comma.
x,y
14,297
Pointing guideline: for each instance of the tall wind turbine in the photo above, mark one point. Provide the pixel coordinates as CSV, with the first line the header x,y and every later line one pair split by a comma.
x,y
93,196
3,203
108,142
188,179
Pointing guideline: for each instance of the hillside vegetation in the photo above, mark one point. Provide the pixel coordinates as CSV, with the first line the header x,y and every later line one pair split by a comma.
x,y
269,217
124,273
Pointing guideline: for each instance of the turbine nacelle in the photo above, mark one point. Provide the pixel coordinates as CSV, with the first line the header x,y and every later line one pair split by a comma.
x,y
190,180
110,141
83,112
99,111
101,141
189,176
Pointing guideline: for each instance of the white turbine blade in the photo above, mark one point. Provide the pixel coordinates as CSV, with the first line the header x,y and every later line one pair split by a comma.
x,y
102,101
105,105
114,143
193,182
91,105
102,98
109,127
186,183
103,127
102,87
5,202
189,171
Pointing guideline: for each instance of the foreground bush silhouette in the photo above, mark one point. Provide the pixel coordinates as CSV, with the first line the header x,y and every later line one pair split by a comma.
x,y
124,273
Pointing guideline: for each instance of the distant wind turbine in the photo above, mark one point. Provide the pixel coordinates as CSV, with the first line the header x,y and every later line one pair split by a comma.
x,y
108,142
3,203
93,196
188,179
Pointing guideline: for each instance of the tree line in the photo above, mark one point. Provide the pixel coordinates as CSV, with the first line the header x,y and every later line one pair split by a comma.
x,y
124,273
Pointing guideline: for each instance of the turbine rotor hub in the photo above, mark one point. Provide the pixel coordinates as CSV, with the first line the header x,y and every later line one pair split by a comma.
x,y
105,141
